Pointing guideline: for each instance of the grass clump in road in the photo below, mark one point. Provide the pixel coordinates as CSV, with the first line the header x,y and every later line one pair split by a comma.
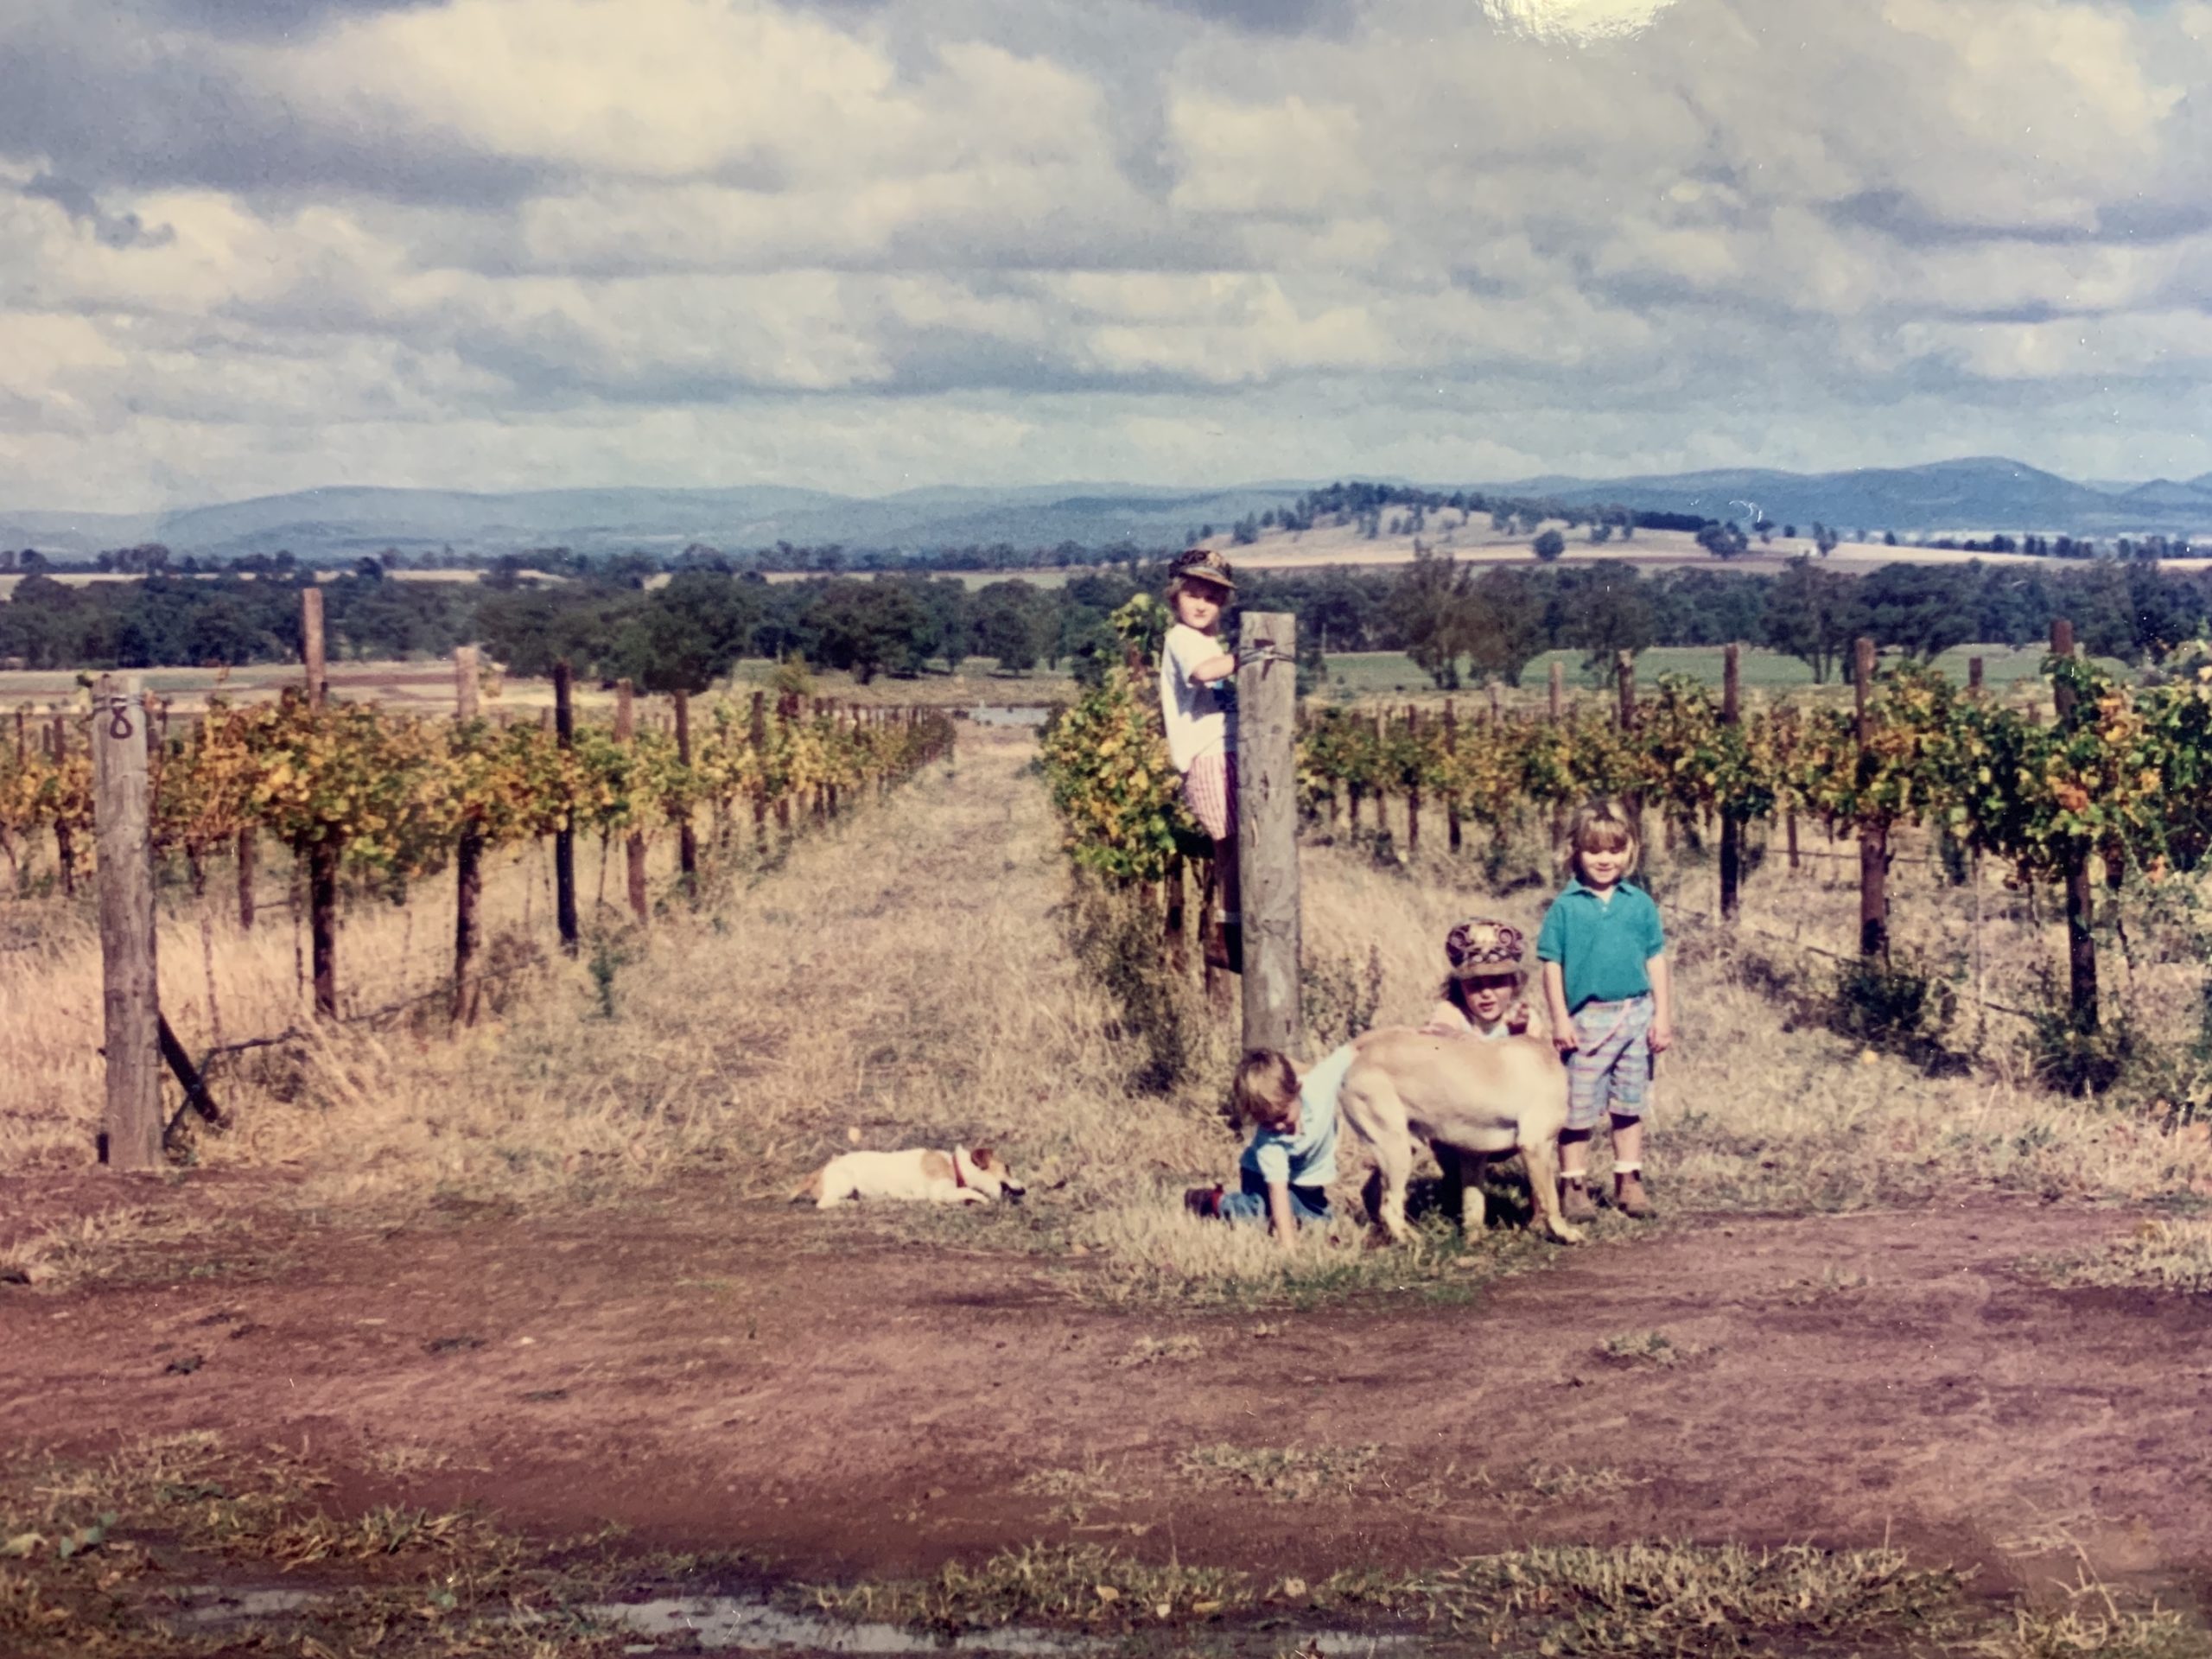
x,y
1057,1584
1648,1348
2175,1255
1650,1598
1666,1597
1153,1252
79,1573
1283,1474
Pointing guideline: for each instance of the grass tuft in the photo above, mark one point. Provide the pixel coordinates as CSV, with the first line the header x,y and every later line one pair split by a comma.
x,y
2174,1255
1282,1474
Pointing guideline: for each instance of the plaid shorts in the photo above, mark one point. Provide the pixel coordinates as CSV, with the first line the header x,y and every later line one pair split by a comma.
x,y
1614,1067
1210,791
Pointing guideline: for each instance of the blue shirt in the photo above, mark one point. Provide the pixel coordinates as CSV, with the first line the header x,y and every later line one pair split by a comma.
x,y
1602,945
1309,1157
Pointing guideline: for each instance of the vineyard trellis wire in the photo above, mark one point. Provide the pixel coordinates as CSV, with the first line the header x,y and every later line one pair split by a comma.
x,y
2119,773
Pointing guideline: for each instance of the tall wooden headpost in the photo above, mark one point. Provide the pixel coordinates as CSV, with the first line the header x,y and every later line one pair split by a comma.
x,y
130,1000
1267,830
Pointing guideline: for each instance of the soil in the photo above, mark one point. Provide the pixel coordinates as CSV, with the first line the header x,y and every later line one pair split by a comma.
x,y
833,1398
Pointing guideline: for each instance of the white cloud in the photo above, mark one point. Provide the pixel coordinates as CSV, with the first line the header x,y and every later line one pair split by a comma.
x,y
1576,20
519,240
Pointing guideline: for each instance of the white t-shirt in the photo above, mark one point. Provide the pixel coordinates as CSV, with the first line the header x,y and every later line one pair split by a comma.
x,y
1201,718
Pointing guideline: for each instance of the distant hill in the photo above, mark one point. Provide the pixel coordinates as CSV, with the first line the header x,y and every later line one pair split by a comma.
x,y
336,525
1980,494
76,535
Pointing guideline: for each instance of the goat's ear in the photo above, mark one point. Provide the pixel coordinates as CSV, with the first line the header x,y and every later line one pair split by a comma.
x,y
981,1157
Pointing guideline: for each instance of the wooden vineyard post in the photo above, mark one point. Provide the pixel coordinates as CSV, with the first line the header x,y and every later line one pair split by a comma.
x,y
64,842
2081,942
756,734
322,852
1174,947
687,838
1383,775
633,849
1267,829
1413,788
1973,675
467,860
1625,679
467,676
1556,685
1732,822
312,653
565,838
248,860
131,995
786,706
1873,832
1451,756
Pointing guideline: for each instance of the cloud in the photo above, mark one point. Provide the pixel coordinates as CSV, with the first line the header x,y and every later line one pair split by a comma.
x,y
1578,21
1183,239
113,230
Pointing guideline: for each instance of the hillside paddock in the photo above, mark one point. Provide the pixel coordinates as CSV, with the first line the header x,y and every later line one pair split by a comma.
x,y
452,1327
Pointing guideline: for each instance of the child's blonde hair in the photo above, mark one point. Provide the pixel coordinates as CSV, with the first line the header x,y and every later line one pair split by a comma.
x,y
1603,826
1265,1087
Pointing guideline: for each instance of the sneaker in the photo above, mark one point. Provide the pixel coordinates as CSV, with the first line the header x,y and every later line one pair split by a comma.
x,y
1203,1201
1574,1202
1629,1197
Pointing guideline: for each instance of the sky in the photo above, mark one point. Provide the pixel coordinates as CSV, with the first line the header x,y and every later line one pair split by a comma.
x,y
255,246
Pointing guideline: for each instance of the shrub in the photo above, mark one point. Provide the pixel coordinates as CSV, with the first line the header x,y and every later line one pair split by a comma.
x,y
1893,1005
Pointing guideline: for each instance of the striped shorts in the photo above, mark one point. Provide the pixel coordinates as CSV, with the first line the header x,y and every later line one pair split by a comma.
x,y
1612,1068
1210,791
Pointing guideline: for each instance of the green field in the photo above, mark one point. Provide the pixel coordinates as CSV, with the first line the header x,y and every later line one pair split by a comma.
x,y
1387,673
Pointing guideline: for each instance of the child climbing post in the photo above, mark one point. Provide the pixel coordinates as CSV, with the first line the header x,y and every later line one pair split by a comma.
x,y
1198,703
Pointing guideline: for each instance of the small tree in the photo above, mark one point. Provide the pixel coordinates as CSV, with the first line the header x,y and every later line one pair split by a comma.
x,y
1550,545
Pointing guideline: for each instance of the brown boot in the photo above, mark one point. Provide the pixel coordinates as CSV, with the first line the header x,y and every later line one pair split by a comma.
x,y
1629,1197
1574,1203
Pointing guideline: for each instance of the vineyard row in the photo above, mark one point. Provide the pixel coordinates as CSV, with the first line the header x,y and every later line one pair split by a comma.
x,y
2116,773
395,798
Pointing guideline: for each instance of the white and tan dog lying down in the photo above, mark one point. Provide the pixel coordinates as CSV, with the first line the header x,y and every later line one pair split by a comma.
x,y
1471,1101
956,1177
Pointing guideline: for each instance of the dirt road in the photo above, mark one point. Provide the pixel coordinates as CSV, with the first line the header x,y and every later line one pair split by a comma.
x,y
711,1377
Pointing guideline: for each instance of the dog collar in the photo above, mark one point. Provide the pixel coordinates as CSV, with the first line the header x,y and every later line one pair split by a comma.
x,y
959,1179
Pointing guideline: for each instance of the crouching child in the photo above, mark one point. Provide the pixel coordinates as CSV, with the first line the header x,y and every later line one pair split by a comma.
x,y
1284,1174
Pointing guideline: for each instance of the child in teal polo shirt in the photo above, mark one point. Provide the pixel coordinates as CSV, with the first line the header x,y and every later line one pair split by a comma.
x,y
1611,1002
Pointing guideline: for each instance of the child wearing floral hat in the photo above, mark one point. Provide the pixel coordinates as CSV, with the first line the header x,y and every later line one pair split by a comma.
x,y
1481,998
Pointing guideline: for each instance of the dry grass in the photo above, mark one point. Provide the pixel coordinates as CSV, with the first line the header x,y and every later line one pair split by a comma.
x,y
1637,1598
907,975
1762,1107
2174,1255
1292,1474
1648,1348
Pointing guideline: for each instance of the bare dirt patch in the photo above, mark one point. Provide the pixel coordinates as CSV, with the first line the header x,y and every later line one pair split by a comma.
x,y
687,1368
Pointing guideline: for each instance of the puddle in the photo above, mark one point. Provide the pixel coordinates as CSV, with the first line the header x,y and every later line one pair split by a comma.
x,y
244,1606
715,1622
1009,714
739,1624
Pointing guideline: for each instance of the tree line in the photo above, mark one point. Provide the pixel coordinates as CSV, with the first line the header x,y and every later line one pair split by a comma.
x,y
1461,623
